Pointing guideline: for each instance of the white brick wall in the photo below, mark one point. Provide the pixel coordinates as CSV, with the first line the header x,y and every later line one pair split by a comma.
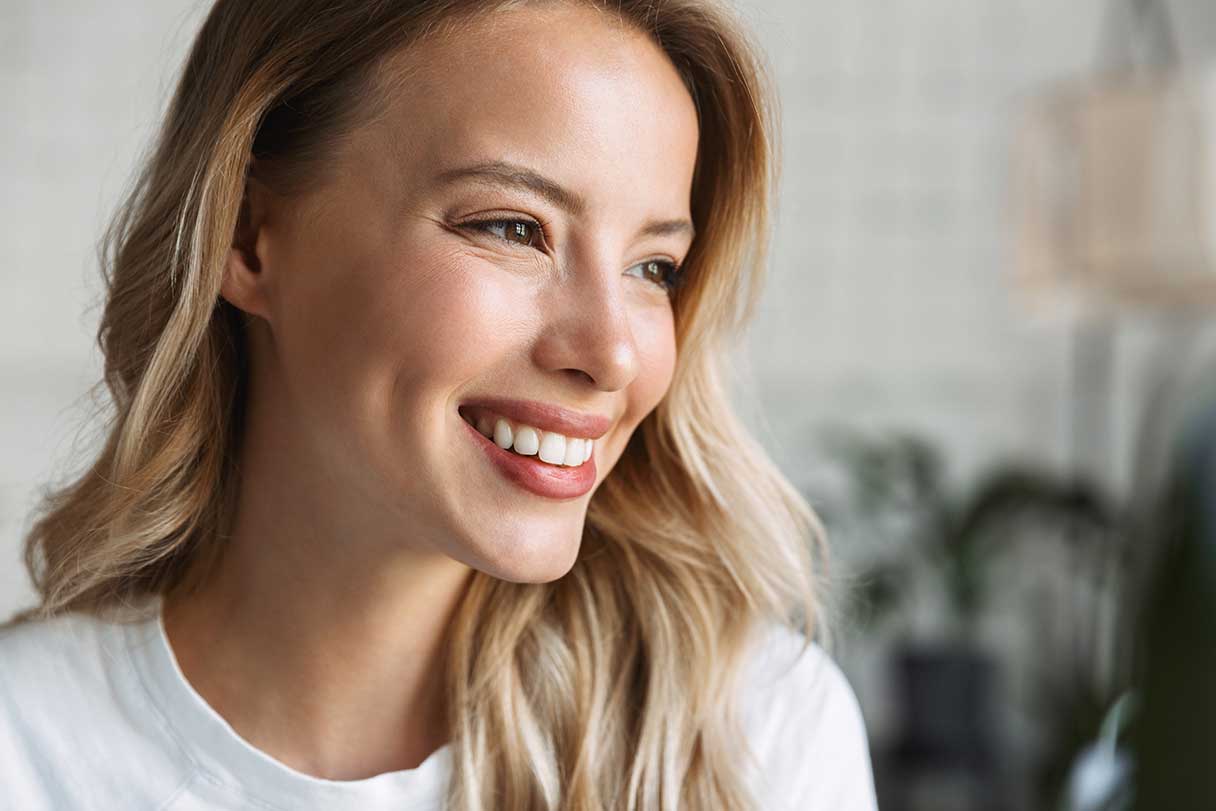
x,y
81,87
890,298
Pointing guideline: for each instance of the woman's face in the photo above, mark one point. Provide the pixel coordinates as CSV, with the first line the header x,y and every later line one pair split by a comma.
x,y
395,308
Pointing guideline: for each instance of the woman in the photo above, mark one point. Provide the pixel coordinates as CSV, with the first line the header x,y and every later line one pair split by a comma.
x,y
422,489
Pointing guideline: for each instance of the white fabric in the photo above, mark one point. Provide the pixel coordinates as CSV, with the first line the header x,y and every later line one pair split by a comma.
x,y
97,715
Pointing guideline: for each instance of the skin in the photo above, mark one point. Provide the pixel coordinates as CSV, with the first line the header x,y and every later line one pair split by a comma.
x,y
364,505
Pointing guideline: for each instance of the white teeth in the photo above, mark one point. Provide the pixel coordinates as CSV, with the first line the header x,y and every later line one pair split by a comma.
x,y
554,448
502,434
527,441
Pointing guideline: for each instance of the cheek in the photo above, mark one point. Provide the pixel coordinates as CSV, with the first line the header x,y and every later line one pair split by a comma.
x,y
400,329
656,346
446,322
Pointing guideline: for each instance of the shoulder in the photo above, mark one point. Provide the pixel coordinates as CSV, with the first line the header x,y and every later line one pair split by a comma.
x,y
47,666
61,663
70,717
803,727
48,679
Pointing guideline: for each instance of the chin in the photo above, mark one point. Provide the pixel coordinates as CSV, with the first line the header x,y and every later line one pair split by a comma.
x,y
529,561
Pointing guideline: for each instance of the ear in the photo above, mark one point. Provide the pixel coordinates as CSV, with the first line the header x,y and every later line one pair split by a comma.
x,y
245,279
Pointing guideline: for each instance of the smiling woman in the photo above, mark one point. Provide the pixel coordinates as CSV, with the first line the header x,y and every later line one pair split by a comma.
x,y
422,489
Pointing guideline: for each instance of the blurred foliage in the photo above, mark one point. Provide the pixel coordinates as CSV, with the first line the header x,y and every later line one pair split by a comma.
x,y
898,491
898,495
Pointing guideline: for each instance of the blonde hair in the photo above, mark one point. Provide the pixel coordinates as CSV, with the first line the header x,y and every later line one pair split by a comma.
x,y
611,687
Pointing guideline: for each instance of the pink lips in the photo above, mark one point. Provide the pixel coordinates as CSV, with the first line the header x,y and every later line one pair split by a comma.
x,y
535,476
546,417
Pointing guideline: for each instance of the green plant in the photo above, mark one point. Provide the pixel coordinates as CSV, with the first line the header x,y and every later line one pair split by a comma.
x,y
898,492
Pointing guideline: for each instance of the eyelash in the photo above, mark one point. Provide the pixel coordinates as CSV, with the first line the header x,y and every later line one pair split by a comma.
x,y
671,281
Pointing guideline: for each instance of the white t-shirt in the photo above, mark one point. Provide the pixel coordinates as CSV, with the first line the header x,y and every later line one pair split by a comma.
x,y
98,715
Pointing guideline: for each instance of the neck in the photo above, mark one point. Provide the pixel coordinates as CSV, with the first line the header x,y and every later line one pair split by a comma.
x,y
320,640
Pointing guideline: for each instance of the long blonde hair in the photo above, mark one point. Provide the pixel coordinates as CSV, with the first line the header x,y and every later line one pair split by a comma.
x,y
611,687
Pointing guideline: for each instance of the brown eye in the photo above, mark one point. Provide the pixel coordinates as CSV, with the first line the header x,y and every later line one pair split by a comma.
x,y
662,272
520,232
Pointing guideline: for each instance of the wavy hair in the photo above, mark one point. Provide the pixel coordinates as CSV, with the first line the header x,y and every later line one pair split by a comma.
x,y
611,687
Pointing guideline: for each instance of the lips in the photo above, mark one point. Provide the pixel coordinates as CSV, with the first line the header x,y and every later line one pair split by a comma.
x,y
534,476
545,416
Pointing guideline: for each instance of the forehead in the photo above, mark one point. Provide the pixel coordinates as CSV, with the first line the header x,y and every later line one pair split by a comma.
x,y
562,89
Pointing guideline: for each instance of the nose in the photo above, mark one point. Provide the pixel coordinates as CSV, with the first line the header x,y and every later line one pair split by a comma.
x,y
588,332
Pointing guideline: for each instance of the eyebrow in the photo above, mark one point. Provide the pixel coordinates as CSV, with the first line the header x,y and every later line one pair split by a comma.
x,y
513,175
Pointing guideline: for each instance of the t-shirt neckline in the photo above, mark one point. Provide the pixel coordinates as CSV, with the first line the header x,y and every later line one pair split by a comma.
x,y
223,757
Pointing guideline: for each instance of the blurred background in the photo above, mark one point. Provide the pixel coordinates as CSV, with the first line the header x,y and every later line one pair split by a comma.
x,y
986,355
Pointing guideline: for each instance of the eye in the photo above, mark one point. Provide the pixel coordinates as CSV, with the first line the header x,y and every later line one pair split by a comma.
x,y
530,234
662,272
518,231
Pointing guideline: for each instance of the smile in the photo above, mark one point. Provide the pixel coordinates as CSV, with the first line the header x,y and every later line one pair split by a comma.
x,y
526,440
553,480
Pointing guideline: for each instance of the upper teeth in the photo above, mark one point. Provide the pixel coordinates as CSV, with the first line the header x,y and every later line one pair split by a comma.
x,y
551,447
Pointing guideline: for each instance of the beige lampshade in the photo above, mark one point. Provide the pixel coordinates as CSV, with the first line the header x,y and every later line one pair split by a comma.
x,y
1115,194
